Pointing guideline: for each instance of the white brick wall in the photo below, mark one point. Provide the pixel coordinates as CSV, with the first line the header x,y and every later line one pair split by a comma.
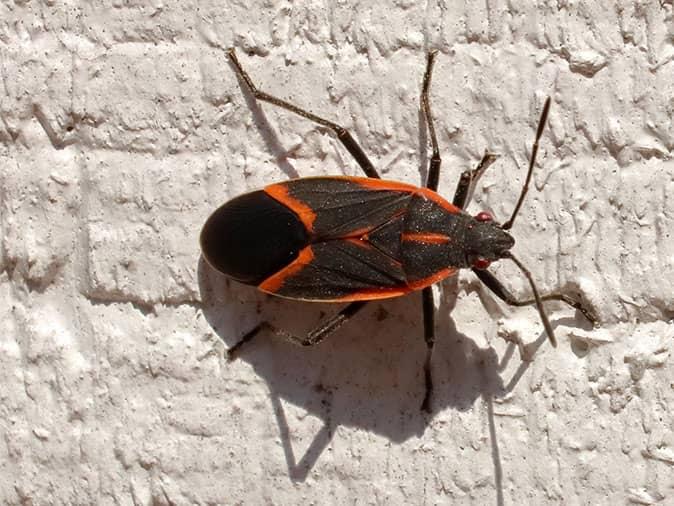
x,y
122,126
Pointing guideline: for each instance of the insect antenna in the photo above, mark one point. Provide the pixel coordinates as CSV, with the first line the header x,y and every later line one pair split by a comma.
x,y
534,151
537,298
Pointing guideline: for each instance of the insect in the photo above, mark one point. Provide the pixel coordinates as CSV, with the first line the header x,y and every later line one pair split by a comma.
x,y
355,239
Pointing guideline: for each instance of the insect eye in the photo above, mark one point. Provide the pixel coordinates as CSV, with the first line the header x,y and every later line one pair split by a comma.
x,y
481,263
484,216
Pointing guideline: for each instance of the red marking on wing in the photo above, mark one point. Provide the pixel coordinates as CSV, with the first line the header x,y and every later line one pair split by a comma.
x,y
361,233
390,292
431,195
375,294
432,279
280,193
274,282
359,241
379,184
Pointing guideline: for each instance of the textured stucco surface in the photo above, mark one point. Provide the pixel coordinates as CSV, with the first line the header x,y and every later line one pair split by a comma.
x,y
122,126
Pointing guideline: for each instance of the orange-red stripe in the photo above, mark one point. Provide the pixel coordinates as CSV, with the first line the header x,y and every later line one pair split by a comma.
x,y
379,184
425,237
274,282
374,294
431,195
396,291
358,241
432,279
360,233
382,184
280,193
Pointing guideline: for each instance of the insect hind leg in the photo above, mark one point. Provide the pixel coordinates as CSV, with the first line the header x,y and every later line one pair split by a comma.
x,y
429,337
506,296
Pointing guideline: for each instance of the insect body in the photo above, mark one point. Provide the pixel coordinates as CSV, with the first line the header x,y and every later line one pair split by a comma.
x,y
342,239
355,239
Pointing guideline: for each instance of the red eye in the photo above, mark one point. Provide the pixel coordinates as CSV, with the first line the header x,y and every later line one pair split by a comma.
x,y
481,263
484,216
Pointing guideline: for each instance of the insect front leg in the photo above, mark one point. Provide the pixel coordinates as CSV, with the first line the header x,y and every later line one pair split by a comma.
x,y
469,178
506,296
434,166
342,133
314,336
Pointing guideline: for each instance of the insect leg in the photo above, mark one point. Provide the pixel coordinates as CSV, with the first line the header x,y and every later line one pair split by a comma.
x,y
469,178
342,134
431,183
434,166
314,336
506,296
429,336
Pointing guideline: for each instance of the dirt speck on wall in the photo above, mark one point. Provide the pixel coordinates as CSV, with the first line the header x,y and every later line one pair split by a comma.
x,y
123,126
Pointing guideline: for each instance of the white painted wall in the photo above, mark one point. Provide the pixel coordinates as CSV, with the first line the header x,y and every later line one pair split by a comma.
x,y
123,126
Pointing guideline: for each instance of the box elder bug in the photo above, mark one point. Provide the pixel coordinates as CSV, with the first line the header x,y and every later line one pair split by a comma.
x,y
355,239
